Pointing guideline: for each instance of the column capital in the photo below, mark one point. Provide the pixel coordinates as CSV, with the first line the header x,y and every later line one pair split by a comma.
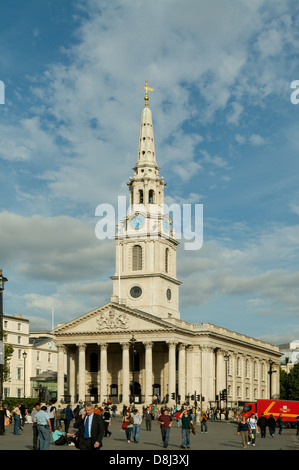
x,y
125,346
81,346
148,344
103,346
172,344
61,348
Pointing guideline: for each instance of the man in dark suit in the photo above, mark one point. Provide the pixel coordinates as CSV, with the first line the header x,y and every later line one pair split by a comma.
x,y
90,429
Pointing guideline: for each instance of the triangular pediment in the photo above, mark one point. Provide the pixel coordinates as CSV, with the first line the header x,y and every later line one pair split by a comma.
x,y
112,318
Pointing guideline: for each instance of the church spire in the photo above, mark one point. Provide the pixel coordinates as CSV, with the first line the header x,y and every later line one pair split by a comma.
x,y
146,186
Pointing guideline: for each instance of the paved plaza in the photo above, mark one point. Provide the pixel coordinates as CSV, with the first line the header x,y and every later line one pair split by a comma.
x,y
221,435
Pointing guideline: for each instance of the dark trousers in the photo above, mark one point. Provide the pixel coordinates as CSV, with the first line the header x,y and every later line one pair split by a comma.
x,y
263,431
148,423
86,444
106,428
35,437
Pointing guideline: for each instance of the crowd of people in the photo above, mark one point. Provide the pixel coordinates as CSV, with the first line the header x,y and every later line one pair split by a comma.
x,y
92,423
249,427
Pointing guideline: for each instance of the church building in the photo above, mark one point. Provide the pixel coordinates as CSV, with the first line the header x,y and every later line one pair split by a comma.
x,y
137,346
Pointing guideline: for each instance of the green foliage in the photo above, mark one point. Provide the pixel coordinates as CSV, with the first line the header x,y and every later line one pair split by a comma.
x,y
8,352
28,402
289,384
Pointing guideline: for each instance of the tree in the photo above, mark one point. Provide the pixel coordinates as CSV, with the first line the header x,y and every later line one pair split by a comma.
x,y
289,384
293,382
8,352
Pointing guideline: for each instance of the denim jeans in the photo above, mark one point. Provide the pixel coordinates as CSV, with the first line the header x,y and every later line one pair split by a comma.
x,y
165,436
204,425
185,437
17,423
128,433
136,429
44,437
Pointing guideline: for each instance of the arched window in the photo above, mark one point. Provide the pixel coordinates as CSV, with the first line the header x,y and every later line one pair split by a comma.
x,y
151,194
140,196
137,258
166,260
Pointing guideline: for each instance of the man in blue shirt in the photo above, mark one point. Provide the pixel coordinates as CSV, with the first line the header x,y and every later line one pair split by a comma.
x,y
43,423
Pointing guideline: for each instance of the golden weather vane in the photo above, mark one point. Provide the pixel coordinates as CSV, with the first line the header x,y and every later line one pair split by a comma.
x,y
146,88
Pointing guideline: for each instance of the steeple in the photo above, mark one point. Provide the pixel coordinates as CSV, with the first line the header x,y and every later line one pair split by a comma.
x,y
146,186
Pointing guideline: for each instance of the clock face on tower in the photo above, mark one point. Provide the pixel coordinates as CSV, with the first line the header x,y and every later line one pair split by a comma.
x,y
137,222
166,224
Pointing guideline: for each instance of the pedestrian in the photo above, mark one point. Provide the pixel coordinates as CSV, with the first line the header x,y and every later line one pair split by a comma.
x,y
127,425
69,416
16,412
58,416
113,409
51,410
204,423
262,424
243,428
186,421
90,429
252,422
43,428
136,426
107,421
279,423
61,438
23,415
148,419
35,410
271,424
165,421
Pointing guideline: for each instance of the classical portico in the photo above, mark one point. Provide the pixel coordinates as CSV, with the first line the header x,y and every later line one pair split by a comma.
x,y
169,357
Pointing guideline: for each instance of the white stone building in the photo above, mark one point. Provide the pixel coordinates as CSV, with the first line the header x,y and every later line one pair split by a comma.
x,y
169,354
33,354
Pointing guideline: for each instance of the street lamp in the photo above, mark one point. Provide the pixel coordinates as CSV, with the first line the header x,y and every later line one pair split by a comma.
x,y
24,357
132,342
3,280
226,358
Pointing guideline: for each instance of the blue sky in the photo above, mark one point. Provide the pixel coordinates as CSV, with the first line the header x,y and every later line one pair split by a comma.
x,y
226,136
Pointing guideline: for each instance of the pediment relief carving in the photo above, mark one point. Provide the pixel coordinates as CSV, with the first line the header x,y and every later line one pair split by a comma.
x,y
112,319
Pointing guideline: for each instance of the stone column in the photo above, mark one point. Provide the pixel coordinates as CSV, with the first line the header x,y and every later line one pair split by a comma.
x,y
104,375
171,370
126,373
82,371
182,372
207,373
60,371
148,372
72,375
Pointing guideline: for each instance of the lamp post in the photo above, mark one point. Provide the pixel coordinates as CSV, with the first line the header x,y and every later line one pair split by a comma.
x,y
132,342
226,358
24,357
2,412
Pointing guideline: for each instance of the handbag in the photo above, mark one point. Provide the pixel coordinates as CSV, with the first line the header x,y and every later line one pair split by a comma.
x,y
124,425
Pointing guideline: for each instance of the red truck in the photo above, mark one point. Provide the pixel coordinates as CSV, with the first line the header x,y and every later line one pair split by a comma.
x,y
287,408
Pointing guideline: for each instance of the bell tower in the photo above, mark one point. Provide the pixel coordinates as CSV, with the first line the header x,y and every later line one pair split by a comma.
x,y
145,276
